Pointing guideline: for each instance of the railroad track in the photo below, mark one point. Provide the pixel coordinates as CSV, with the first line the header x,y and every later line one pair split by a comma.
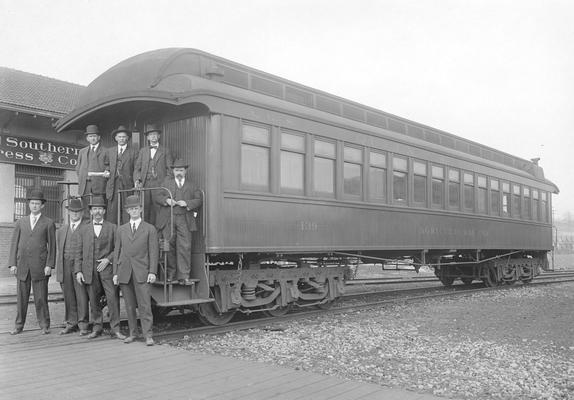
x,y
57,296
371,299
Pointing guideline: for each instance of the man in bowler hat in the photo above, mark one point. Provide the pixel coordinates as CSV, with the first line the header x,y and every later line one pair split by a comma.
x,y
32,257
92,168
75,295
93,267
184,203
151,168
121,159
135,267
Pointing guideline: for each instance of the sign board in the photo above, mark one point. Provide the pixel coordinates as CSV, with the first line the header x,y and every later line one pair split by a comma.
x,y
34,151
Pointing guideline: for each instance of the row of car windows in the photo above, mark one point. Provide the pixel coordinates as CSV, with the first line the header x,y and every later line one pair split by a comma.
x,y
320,167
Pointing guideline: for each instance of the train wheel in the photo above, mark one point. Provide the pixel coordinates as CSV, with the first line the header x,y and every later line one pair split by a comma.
x,y
209,315
278,312
446,280
159,312
467,281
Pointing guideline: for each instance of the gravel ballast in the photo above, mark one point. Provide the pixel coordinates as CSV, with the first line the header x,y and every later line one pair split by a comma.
x,y
507,344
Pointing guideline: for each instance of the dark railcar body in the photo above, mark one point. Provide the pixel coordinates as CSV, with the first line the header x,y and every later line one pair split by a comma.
x,y
203,102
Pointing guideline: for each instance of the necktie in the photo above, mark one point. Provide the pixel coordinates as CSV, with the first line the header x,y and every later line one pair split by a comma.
x,y
73,227
98,223
121,151
94,148
34,220
133,227
179,183
154,147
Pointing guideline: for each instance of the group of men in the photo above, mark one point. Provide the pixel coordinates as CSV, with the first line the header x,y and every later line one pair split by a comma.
x,y
91,255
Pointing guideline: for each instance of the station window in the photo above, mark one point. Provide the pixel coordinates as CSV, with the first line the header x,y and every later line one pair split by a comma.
x,y
544,207
400,174
352,171
420,182
494,197
454,188
516,201
535,204
526,205
377,176
505,198
292,163
468,191
437,186
255,151
482,194
29,177
324,168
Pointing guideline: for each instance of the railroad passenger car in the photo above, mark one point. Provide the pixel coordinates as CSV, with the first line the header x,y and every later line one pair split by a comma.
x,y
298,183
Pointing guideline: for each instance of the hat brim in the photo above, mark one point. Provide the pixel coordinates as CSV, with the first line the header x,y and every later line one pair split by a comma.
x,y
75,209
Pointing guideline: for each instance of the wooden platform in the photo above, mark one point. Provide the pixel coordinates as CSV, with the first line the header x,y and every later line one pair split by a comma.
x,y
35,366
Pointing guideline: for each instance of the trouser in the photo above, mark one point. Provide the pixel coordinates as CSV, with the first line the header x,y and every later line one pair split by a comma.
x,y
40,290
95,187
150,208
105,286
76,304
179,255
113,204
136,295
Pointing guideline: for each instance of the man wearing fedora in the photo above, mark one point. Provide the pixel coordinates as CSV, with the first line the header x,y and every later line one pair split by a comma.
x,y
184,203
32,257
151,168
121,160
135,267
93,267
92,168
75,295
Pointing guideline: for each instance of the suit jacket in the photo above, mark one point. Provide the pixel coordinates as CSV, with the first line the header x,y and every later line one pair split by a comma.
x,y
163,160
82,169
87,253
33,250
189,192
62,236
137,252
122,171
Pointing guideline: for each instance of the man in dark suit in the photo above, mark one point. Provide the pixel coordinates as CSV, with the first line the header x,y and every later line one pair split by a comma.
x,y
92,168
31,259
136,258
75,295
184,203
152,166
121,159
93,267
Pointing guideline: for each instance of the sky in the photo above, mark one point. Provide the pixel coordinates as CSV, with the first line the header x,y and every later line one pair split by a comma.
x,y
498,72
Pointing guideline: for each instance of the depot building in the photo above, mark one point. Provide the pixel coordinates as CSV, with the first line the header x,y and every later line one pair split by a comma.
x,y
32,154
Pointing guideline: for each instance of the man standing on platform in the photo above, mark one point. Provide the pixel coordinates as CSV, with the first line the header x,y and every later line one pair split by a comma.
x,y
136,258
152,166
186,200
92,167
121,160
75,295
93,267
31,259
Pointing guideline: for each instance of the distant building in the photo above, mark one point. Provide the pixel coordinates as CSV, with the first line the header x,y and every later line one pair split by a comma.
x,y
32,154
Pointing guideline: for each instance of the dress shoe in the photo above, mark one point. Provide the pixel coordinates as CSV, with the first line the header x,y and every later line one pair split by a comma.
x,y
129,339
94,334
16,331
84,332
44,331
118,335
68,329
149,342
186,282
